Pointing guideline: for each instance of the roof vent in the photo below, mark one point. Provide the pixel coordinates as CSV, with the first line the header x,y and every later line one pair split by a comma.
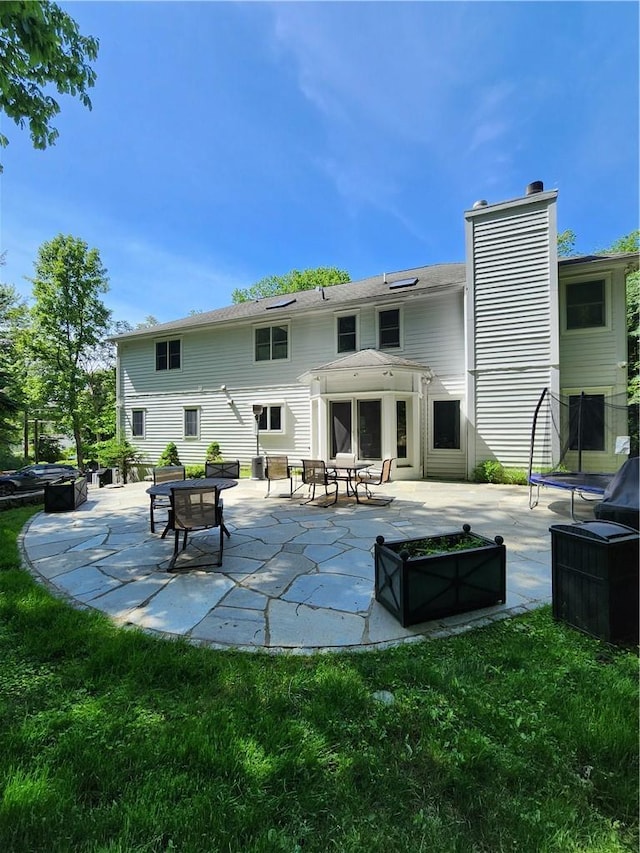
x,y
535,187
320,290
482,202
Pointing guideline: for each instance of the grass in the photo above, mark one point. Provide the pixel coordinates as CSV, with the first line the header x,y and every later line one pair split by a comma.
x,y
518,737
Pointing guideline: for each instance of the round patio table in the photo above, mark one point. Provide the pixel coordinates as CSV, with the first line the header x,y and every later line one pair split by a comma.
x,y
164,489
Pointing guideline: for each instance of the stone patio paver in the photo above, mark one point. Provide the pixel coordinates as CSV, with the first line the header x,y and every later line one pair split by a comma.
x,y
294,578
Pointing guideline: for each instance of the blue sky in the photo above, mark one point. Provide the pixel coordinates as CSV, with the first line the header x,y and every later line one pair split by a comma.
x,y
232,141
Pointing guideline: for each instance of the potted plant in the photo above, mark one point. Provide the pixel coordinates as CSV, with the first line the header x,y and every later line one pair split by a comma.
x,y
435,576
65,494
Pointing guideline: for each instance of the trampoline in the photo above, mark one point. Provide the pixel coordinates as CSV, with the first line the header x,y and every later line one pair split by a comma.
x,y
566,430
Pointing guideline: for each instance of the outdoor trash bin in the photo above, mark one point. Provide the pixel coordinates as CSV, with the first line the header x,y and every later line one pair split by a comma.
x,y
594,579
257,468
105,476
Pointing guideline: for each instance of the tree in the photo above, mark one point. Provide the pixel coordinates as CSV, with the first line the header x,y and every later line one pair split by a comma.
x,y
13,314
631,243
68,320
291,282
41,46
566,243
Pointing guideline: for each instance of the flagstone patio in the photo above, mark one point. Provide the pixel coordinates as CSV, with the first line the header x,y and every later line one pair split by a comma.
x,y
295,578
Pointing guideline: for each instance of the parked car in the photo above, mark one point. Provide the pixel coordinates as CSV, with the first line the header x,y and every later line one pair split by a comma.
x,y
33,477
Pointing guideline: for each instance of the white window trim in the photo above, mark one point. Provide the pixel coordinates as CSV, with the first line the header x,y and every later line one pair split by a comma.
x,y
198,411
163,341
607,392
446,398
272,404
144,422
337,316
270,325
400,310
581,279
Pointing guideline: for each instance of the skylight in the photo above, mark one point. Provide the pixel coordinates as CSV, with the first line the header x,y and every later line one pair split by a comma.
x,y
281,304
403,282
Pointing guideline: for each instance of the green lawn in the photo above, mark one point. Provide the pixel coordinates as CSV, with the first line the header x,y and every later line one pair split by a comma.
x,y
518,737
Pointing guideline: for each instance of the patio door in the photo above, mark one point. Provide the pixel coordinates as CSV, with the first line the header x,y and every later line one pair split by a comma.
x,y
340,426
369,429
365,440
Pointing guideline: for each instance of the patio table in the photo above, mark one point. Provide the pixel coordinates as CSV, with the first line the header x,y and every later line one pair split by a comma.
x,y
164,489
347,474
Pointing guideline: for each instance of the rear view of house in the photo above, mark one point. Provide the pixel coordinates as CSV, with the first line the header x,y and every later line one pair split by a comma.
x,y
439,367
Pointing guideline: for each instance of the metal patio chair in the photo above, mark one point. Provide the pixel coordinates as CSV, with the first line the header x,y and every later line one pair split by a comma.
x,y
164,474
374,477
278,468
230,469
341,468
314,473
192,509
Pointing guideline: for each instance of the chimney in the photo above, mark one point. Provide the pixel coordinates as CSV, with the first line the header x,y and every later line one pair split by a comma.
x,y
535,187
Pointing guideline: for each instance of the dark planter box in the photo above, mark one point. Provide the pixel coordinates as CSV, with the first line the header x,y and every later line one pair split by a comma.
x,y
422,588
594,579
65,495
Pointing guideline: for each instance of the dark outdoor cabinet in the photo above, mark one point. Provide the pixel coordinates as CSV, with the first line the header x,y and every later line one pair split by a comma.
x,y
594,579
65,495
105,477
422,588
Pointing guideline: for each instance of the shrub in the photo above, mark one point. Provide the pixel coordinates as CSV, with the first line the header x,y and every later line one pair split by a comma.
x,y
213,452
169,455
492,471
193,471
116,453
489,471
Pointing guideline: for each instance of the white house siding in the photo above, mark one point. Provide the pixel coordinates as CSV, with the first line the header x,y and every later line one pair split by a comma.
x,y
210,360
512,339
443,464
596,357
223,356
595,361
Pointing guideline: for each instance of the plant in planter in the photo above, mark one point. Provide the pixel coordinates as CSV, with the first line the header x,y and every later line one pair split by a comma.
x,y
436,576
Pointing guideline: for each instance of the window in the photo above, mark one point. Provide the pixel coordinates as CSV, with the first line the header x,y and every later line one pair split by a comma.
x,y
271,343
137,423
370,429
401,429
271,419
389,328
585,305
168,355
586,422
446,424
347,334
191,426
